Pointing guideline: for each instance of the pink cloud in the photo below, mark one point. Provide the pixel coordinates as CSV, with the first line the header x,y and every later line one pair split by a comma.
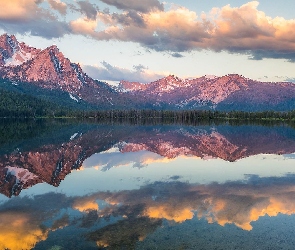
x,y
61,7
243,29
29,17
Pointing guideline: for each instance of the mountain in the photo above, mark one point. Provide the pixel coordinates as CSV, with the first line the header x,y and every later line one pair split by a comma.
x,y
50,69
26,67
230,92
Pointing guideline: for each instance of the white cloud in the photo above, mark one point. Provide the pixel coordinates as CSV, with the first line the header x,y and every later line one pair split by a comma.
x,y
114,73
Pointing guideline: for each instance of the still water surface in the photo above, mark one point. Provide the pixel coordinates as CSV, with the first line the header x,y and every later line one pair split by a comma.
x,y
90,186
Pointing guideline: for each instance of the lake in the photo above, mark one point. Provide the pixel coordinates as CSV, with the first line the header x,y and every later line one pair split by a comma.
x,y
74,185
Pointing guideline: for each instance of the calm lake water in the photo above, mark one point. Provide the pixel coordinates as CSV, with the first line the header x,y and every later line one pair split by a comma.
x,y
89,186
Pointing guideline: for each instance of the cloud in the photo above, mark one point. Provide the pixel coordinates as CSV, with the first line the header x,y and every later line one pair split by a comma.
x,y
129,18
238,203
59,6
86,8
242,29
114,73
161,31
18,10
177,55
280,54
28,17
162,212
17,225
141,6
83,26
61,222
115,159
290,80
85,204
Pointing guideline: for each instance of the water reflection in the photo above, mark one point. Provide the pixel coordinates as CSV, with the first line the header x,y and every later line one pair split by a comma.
x,y
124,218
138,186
50,159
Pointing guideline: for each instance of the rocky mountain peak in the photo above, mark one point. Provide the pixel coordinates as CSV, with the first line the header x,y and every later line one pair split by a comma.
x,y
48,67
13,53
53,67
170,79
168,83
53,48
210,77
8,41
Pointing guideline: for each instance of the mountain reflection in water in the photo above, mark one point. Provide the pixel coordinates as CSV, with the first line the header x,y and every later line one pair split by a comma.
x,y
139,186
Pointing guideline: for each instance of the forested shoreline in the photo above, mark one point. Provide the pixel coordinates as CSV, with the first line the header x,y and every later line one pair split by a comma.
x,y
16,105
187,115
182,116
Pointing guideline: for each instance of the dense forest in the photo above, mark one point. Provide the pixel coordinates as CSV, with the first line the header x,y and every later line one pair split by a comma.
x,y
16,105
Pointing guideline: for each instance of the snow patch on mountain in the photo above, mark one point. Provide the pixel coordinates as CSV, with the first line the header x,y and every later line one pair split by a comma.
x,y
14,53
73,136
112,84
79,72
73,97
18,58
125,86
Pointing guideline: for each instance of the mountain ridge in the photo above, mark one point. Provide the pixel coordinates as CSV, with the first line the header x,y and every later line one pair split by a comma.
x,y
50,69
214,92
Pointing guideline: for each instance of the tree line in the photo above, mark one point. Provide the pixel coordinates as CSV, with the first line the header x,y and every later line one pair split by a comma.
x,y
17,105
187,115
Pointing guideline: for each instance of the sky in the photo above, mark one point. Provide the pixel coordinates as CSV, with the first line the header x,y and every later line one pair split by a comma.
x,y
145,40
